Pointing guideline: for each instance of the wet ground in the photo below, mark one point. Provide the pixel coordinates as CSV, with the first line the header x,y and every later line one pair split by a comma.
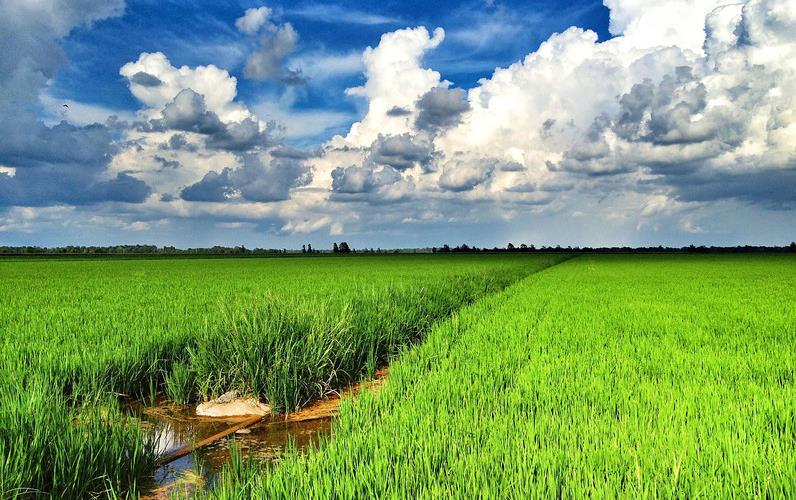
x,y
174,426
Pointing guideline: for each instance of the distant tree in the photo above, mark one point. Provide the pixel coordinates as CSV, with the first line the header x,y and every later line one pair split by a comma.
x,y
303,248
309,248
335,248
792,246
510,247
344,248
523,246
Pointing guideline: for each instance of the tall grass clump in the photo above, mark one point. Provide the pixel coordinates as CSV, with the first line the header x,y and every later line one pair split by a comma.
x,y
291,352
276,350
51,449
180,383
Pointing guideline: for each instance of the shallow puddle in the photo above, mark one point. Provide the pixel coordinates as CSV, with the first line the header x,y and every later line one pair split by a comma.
x,y
174,426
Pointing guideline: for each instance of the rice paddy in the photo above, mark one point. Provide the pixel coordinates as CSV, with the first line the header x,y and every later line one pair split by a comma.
x,y
607,376
509,375
81,337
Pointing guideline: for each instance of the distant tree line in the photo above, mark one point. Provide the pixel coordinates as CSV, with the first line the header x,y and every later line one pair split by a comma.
x,y
138,250
344,248
523,248
341,248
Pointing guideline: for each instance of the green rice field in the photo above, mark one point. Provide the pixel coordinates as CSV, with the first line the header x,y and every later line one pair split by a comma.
x,y
81,337
605,376
510,375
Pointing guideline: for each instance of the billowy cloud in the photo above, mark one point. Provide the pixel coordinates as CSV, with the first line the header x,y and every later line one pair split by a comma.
x,y
253,20
267,59
690,102
55,162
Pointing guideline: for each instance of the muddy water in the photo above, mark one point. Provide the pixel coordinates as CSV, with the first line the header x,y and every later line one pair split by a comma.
x,y
174,426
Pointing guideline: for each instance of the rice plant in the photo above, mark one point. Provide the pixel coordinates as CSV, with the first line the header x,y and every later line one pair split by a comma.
x,y
180,383
49,448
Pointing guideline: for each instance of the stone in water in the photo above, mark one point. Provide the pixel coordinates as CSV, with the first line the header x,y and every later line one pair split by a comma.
x,y
231,404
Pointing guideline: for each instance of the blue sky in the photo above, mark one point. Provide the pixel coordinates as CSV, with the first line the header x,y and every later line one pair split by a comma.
x,y
397,123
480,37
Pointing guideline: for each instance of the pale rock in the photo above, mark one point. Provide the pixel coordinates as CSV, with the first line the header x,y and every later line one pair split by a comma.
x,y
231,404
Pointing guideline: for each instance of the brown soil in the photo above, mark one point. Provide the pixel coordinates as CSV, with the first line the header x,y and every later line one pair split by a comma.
x,y
328,407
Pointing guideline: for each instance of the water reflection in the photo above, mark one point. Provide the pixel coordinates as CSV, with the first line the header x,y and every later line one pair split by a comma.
x,y
174,426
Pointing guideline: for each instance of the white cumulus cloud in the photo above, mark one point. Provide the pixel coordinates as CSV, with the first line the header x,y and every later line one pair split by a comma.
x,y
692,102
253,19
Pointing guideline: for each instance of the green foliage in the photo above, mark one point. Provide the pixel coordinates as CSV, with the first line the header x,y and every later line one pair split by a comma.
x,y
180,383
48,448
609,376
274,350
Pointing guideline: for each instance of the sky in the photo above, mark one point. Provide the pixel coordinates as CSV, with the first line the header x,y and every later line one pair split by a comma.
x,y
397,123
